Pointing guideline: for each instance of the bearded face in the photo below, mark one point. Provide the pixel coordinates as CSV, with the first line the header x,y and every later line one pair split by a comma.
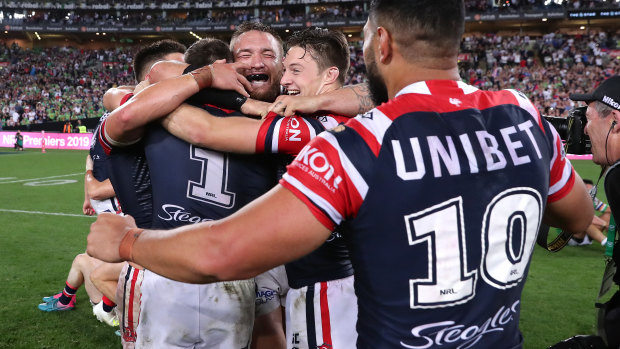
x,y
376,84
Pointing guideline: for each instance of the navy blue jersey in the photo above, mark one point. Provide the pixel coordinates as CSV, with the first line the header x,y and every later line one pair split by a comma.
x,y
288,135
98,154
193,184
439,194
130,178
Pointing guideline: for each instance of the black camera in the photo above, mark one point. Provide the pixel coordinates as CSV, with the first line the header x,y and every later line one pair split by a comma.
x,y
571,130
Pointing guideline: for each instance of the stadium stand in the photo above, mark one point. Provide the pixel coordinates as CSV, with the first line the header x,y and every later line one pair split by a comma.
x,y
57,84
54,84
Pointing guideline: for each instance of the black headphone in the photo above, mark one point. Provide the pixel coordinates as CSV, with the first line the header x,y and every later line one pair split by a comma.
x,y
613,123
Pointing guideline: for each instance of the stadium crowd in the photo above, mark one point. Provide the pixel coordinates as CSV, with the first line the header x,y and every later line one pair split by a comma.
x,y
222,12
57,84
182,17
526,5
545,68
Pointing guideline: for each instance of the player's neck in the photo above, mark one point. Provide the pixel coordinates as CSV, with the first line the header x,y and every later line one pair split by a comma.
x,y
395,80
328,88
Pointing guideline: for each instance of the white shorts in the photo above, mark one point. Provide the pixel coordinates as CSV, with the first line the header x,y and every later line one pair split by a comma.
x,y
129,294
179,315
322,315
108,205
271,289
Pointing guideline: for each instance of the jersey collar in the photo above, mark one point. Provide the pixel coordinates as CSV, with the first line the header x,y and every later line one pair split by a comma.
x,y
421,87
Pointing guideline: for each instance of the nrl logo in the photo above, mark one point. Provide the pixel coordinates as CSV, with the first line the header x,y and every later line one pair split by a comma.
x,y
456,101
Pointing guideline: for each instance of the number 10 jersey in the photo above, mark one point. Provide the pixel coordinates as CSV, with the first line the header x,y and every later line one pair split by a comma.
x,y
439,194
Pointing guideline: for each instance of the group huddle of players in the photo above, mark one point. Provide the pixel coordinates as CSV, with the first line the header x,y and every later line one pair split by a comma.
x,y
432,200
175,154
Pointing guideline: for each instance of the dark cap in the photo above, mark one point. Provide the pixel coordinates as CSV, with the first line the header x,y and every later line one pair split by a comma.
x,y
607,93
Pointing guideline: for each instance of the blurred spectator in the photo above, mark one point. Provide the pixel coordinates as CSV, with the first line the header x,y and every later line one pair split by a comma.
x,y
545,68
60,83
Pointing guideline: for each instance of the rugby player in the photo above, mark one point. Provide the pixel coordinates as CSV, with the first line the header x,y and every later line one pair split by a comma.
x,y
440,193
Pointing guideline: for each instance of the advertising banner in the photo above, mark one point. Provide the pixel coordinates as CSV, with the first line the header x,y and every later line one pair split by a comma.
x,y
52,140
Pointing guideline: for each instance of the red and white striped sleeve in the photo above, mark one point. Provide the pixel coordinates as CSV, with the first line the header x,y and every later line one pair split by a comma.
x,y
324,178
562,174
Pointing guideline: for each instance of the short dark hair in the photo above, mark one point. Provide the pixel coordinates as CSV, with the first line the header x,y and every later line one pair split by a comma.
x,y
206,51
437,23
249,26
328,47
148,55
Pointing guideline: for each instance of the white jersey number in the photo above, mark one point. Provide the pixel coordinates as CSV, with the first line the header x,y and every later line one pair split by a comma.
x,y
212,187
508,235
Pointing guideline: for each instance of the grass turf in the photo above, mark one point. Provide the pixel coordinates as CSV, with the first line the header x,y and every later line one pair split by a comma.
x,y
36,251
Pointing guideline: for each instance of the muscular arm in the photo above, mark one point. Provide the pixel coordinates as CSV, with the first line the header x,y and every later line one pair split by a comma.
x,y
199,127
347,101
112,98
98,190
573,212
165,70
240,246
125,124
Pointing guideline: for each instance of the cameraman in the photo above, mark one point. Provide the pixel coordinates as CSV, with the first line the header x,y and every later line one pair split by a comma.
x,y
603,115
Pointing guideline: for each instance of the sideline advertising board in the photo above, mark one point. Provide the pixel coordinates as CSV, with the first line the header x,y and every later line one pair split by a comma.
x,y
52,140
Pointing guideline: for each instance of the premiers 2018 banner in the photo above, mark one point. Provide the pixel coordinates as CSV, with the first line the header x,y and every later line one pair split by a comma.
x,y
52,140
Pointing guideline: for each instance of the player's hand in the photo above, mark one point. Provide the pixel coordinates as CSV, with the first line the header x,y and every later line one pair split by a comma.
x,y
226,76
106,235
87,208
254,107
291,105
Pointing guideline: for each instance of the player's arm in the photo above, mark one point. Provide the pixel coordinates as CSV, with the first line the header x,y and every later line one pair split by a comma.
x,y
87,208
268,331
255,107
348,101
573,212
199,127
113,97
165,70
240,246
98,190
94,189
125,124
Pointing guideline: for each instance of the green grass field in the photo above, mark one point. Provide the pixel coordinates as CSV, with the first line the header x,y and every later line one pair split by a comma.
x,y
37,247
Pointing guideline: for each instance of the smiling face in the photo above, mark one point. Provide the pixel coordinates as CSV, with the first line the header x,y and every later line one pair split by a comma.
x,y
301,73
263,53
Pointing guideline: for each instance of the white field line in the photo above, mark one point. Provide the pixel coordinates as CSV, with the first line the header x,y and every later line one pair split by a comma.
x,y
42,178
47,213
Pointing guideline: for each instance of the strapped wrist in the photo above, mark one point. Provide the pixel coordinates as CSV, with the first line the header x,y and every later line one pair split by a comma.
x,y
203,76
125,249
